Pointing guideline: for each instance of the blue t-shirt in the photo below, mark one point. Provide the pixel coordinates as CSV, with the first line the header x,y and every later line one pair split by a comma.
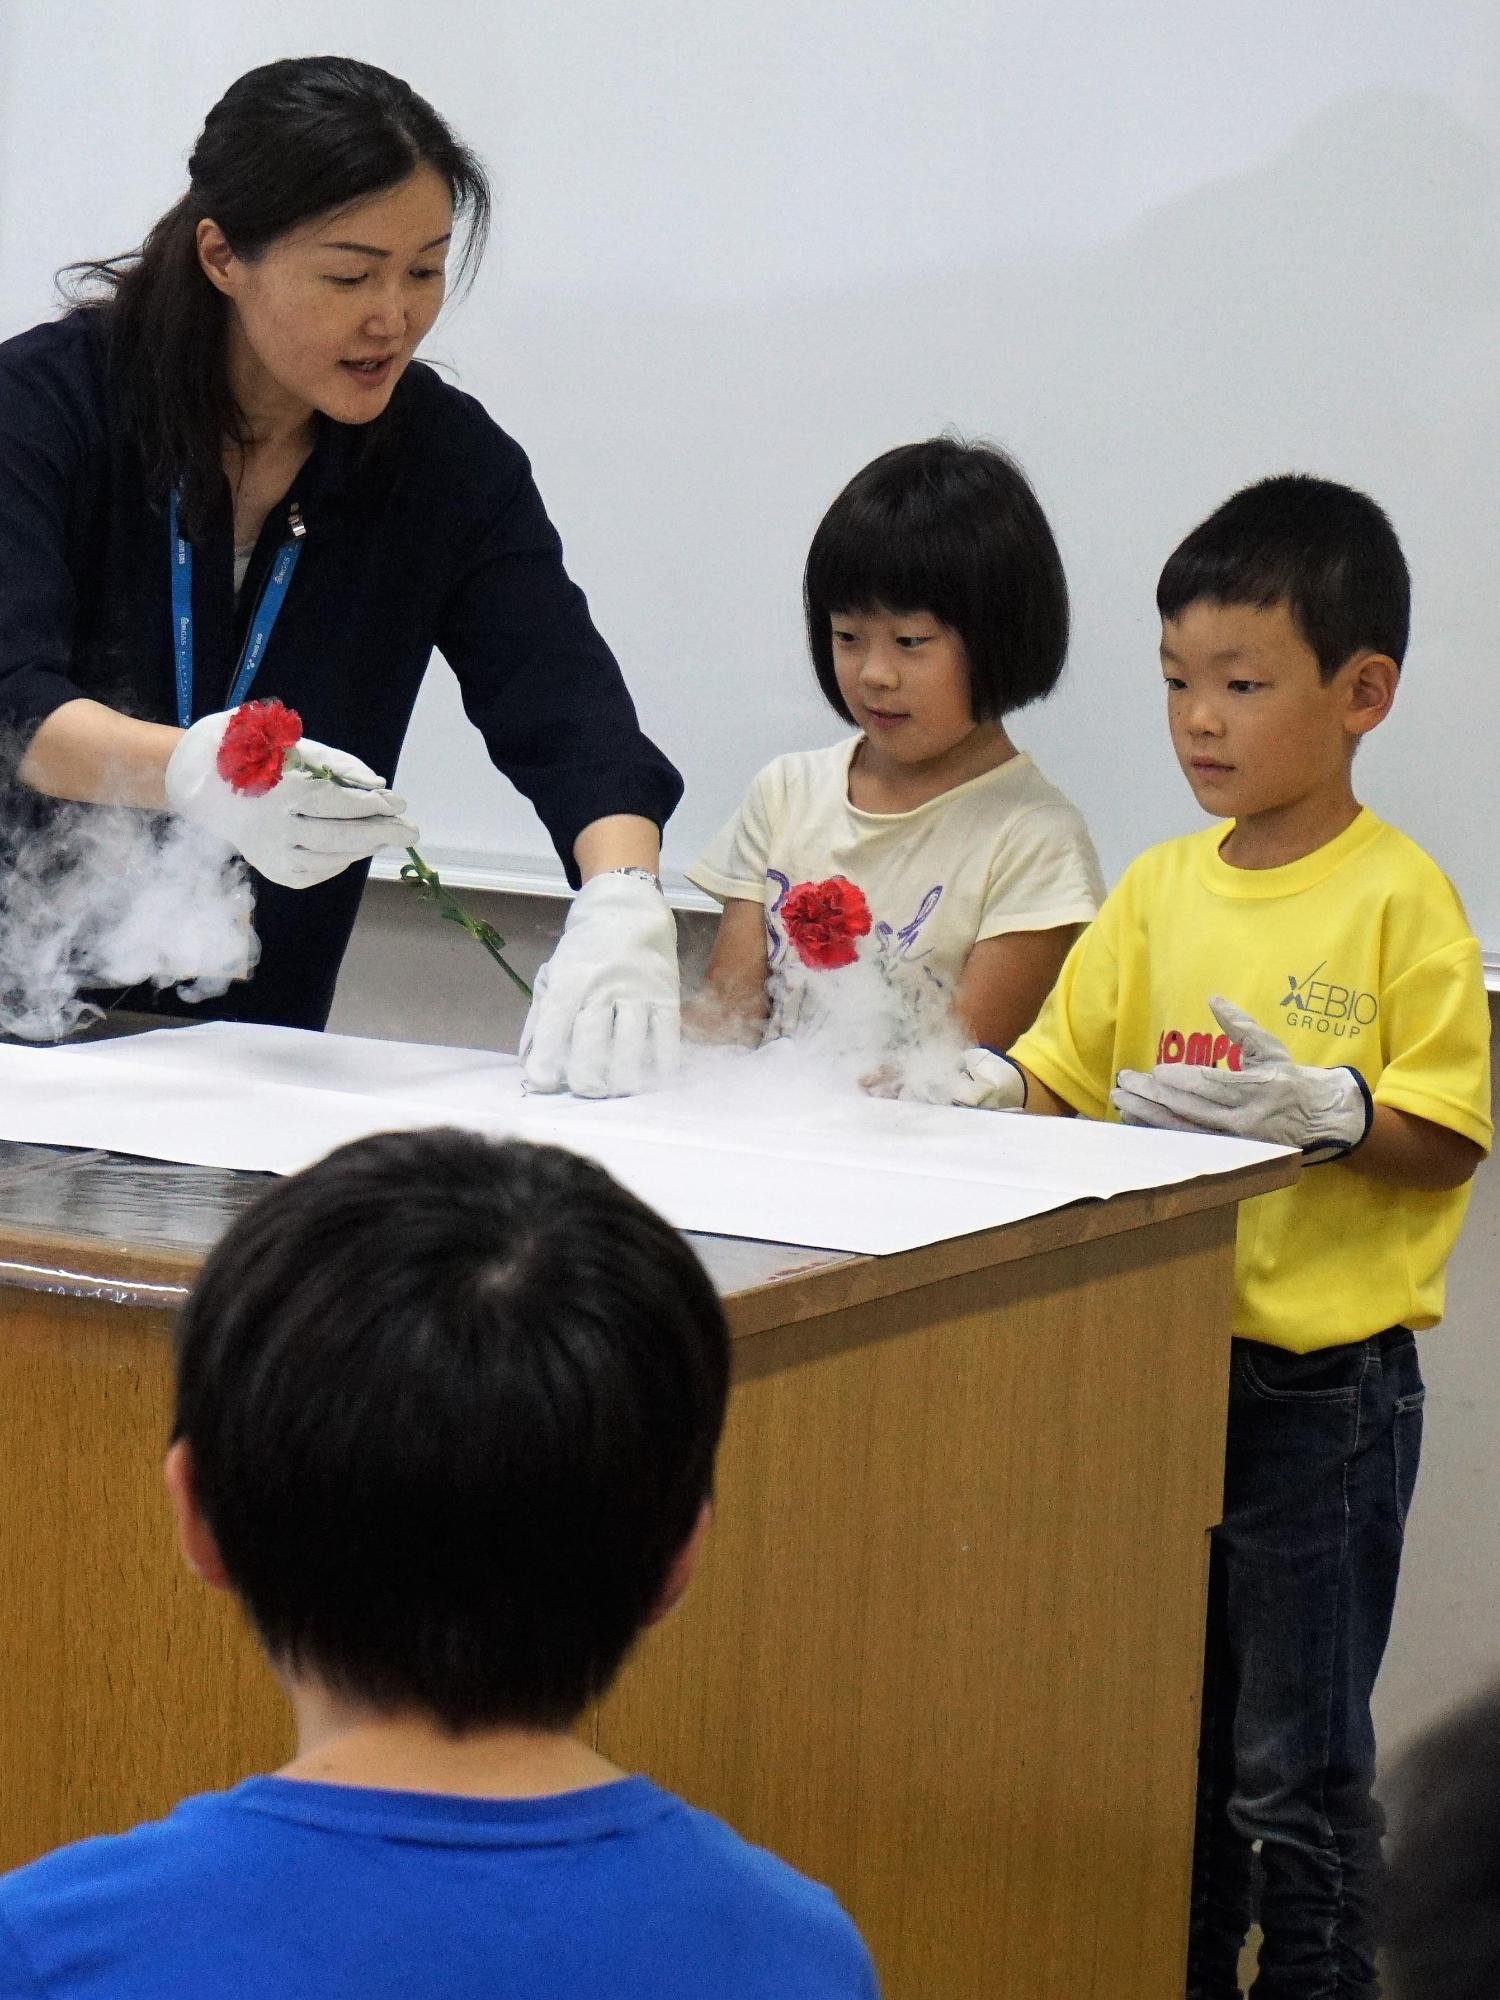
x,y
278,1890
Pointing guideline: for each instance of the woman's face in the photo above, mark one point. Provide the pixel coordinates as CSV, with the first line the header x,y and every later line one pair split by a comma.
x,y
328,315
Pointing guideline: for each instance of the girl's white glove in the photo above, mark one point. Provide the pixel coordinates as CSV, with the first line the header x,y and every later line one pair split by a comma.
x,y
1325,1113
606,1017
304,829
989,1081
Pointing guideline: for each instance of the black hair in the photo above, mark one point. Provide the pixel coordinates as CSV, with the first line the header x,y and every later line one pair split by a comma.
x,y
1441,1928
286,142
1327,553
453,1407
953,529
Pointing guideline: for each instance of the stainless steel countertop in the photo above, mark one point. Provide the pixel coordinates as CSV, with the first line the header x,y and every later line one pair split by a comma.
x,y
75,1199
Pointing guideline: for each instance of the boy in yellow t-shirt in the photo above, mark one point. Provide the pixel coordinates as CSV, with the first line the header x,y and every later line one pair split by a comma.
x,y
1307,977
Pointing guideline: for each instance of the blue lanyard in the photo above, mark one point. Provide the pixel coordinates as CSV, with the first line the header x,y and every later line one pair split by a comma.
x,y
267,611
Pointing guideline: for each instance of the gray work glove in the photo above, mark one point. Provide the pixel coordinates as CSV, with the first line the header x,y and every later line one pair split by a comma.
x,y
1324,1113
989,1081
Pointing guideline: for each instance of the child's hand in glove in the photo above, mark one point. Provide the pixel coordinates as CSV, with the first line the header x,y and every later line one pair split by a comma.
x,y
1324,1112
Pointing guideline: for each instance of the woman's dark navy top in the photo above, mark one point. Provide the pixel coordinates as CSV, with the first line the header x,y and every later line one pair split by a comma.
x,y
431,534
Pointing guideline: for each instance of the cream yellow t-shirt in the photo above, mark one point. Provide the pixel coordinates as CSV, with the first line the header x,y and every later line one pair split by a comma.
x,y
1358,954
1004,852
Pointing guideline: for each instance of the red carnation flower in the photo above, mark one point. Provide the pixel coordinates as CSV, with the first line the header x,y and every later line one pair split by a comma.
x,y
823,919
252,750
259,745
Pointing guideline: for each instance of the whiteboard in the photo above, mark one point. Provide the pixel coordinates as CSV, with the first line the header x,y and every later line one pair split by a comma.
x,y
1157,252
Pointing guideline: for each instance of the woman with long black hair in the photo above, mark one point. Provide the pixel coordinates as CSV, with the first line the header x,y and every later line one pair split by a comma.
x,y
222,473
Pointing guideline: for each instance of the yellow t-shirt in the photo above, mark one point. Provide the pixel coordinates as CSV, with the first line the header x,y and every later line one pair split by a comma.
x,y
1357,954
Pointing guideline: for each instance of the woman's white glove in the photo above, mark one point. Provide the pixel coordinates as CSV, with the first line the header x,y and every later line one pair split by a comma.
x,y
989,1081
606,1019
1325,1113
304,829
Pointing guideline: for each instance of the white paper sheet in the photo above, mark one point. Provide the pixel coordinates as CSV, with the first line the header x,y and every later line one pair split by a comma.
x,y
753,1145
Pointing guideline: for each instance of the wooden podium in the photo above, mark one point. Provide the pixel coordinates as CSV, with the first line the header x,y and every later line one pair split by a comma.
x,y
943,1650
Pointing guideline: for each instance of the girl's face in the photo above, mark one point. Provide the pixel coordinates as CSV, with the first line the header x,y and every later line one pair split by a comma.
x,y
904,676
328,315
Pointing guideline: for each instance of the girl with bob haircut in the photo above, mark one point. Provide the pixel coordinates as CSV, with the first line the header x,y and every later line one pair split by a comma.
x,y
223,469
936,606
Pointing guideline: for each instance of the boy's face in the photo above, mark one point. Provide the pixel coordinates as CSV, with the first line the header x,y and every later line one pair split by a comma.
x,y
1255,727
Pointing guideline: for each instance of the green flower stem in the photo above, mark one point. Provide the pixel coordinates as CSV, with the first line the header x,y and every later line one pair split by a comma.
x,y
428,882
448,906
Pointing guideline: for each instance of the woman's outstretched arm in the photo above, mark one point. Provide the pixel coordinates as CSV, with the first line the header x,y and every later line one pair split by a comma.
x,y
86,751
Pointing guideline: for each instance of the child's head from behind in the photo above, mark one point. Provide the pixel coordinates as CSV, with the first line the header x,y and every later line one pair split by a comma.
x,y
1441,1920
1284,624
451,1409
948,532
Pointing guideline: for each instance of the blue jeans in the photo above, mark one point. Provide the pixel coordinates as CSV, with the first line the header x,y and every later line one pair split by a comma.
x,y
1319,1469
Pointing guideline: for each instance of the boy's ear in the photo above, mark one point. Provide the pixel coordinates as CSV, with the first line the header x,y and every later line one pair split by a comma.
x,y
683,1565
194,1536
1372,680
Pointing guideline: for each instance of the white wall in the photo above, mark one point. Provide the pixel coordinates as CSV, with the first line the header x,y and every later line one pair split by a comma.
x,y
1446,1643
1158,250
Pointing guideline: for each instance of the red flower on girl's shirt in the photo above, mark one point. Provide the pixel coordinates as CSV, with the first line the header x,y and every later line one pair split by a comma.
x,y
252,750
823,920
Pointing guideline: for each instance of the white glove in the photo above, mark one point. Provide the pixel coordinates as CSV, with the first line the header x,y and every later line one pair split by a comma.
x,y
606,1019
304,829
1324,1112
989,1081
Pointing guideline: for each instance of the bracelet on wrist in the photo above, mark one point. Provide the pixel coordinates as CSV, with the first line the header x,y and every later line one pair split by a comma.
x,y
640,874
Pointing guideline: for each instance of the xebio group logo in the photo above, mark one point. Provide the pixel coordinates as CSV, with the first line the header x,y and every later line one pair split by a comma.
x,y
1316,1006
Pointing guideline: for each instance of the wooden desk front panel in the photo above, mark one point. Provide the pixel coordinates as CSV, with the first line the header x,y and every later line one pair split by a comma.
x,y
944,1649
125,1685
942,1652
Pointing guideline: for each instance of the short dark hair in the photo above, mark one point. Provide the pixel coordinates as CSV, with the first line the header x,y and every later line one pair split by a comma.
x,y
953,529
453,1408
286,142
1441,1928
1329,554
